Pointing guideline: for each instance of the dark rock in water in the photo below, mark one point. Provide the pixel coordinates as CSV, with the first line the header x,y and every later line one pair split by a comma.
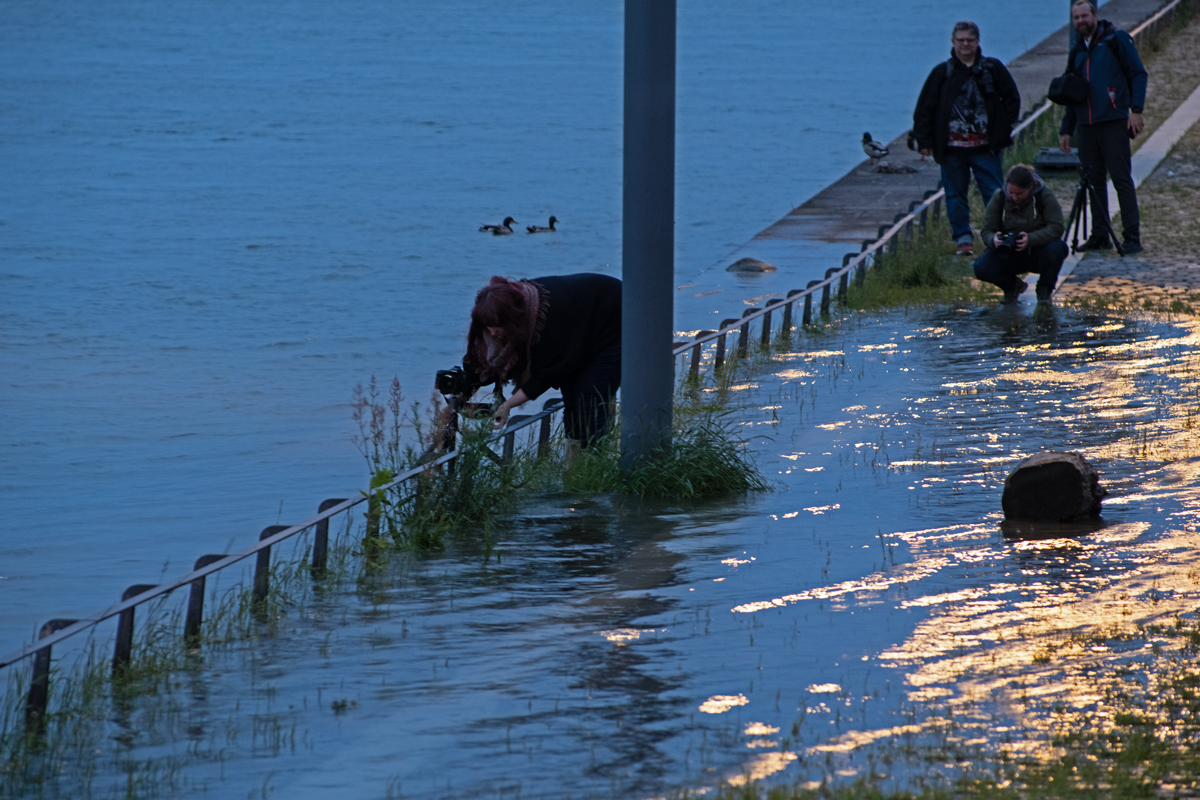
x,y
750,265
1054,486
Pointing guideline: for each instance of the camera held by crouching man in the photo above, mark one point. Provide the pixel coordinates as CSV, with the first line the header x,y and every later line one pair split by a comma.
x,y
1023,228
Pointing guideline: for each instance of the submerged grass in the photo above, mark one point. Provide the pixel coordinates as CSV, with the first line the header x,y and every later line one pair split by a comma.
x,y
96,710
1142,744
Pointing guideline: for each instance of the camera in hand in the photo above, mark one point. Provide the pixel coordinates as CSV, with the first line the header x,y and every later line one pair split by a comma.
x,y
1005,244
452,381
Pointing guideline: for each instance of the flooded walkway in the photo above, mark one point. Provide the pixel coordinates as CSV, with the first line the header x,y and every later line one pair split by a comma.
x,y
614,649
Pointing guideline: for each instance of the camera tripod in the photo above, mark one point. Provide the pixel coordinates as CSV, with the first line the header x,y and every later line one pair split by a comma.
x,y
1078,217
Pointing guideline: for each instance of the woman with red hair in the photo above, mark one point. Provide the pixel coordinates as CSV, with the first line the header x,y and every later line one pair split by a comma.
x,y
560,331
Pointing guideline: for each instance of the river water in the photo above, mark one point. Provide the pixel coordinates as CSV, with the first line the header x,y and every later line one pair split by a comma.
x,y
216,219
871,605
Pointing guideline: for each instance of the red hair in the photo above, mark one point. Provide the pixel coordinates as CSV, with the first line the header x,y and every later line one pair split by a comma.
x,y
500,304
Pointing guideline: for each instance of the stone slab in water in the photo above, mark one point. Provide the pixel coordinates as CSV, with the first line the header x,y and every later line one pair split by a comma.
x,y
750,265
1054,486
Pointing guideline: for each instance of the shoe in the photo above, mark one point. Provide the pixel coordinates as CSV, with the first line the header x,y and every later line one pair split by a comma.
x,y
965,249
1129,248
1013,294
1045,297
1095,243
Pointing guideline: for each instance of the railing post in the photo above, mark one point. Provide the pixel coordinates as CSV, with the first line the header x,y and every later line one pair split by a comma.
x,y
878,262
908,229
320,553
123,648
195,607
825,292
720,357
544,428
511,436
895,243
39,681
786,325
765,339
807,320
262,567
694,369
744,333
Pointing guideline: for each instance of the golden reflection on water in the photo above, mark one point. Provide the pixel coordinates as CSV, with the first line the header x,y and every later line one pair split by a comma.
x,y
1045,637
762,766
720,703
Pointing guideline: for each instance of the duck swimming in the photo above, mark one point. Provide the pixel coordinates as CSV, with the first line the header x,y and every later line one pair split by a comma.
x,y
874,150
540,229
503,229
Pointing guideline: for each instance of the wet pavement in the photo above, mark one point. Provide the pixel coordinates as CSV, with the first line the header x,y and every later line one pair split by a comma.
x,y
608,648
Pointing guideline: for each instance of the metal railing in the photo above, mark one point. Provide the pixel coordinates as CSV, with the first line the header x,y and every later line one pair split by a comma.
x,y
58,630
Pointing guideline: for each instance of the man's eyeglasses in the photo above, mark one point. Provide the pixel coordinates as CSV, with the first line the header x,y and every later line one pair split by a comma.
x,y
959,40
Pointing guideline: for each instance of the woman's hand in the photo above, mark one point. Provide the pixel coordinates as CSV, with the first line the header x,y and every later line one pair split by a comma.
x,y
505,408
501,418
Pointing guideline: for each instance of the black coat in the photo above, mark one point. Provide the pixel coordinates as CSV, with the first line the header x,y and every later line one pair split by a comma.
x,y
931,119
583,317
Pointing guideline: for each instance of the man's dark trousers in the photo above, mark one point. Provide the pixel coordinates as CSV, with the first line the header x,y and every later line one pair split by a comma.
x,y
1002,269
1104,148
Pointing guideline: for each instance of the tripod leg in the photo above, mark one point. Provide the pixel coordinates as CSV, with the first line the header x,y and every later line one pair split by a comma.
x,y
1075,220
1103,222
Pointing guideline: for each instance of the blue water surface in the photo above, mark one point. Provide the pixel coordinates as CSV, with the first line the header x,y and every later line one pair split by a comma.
x,y
217,218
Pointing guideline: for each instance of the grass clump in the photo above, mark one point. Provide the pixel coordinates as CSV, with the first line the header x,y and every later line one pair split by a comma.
x,y
474,491
924,271
479,488
704,459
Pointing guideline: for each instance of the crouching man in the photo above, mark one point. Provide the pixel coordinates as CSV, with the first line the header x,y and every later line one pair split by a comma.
x,y
1022,227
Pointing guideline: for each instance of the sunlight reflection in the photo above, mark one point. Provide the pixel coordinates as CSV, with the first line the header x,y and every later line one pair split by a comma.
x,y
720,703
761,767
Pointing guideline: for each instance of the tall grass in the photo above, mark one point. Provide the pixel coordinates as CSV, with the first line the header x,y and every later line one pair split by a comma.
x,y
705,459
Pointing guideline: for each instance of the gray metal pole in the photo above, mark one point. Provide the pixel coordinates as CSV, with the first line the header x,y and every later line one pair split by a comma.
x,y
648,240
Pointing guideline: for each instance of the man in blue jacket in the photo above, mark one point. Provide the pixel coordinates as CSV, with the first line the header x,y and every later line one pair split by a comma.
x,y
1105,122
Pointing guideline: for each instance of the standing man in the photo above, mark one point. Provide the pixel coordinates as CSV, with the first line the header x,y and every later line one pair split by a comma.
x,y
1105,122
964,119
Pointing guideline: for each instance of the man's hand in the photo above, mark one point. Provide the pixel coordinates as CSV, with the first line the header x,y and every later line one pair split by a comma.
x,y
1136,123
1022,241
996,240
1064,142
925,151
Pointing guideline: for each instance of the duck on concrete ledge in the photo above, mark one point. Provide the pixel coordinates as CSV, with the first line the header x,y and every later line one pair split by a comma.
x,y
503,229
540,229
873,149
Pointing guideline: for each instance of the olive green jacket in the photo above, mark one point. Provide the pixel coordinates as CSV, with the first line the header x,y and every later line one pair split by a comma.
x,y
1040,215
